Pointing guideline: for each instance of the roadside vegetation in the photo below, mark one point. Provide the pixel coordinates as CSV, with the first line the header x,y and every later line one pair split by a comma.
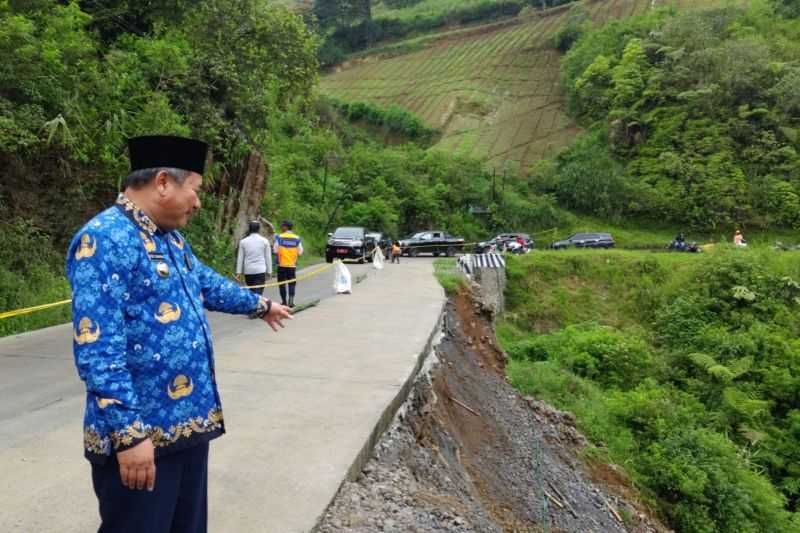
x,y
86,78
683,369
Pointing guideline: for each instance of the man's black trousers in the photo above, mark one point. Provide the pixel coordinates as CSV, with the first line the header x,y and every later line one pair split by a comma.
x,y
178,504
256,279
285,274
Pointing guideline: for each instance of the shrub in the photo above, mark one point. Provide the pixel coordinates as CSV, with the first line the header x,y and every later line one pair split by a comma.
x,y
394,118
578,22
697,398
599,353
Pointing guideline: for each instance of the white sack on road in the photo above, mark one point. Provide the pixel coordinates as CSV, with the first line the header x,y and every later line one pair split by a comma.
x,y
342,282
377,258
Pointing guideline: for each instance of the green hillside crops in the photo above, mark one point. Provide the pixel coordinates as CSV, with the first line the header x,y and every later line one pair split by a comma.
x,y
493,90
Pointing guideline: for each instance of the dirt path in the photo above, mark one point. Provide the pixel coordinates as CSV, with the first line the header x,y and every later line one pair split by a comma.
x,y
467,453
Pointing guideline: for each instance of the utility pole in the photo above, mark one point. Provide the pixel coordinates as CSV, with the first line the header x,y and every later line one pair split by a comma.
x,y
503,190
494,192
331,158
324,180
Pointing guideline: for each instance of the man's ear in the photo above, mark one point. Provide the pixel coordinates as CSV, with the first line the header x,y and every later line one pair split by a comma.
x,y
162,183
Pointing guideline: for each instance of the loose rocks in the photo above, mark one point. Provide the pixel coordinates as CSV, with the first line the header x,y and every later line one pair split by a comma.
x,y
467,453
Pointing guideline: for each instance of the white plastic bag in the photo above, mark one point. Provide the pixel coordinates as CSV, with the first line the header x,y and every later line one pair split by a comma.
x,y
342,282
377,258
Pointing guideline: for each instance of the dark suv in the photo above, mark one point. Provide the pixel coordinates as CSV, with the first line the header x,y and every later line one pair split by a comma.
x,y
349,243
585,240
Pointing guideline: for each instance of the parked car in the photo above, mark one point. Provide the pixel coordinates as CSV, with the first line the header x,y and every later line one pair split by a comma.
x,y
585,240
499,242
431,242
352,243
383,241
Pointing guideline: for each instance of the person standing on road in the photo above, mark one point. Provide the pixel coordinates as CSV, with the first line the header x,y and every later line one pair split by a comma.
x,y
288,248
254,259
142,344
396,251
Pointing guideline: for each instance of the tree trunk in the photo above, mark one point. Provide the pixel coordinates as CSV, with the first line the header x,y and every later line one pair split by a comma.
x,y
254,186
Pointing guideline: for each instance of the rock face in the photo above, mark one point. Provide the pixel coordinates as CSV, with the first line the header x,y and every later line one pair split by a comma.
x,y
467,453
489,289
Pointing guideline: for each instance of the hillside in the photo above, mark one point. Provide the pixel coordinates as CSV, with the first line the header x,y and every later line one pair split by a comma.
x,y
681,368
493,90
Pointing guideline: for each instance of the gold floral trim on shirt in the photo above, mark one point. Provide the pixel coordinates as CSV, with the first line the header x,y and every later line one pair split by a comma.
x,y
139,216
99,445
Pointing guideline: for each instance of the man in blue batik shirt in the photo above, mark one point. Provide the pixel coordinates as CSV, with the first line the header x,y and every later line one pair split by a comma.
x,y
143,345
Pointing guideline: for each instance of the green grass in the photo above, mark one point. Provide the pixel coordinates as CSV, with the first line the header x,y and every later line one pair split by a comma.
x,y
650,235
308,259
448,275
40,291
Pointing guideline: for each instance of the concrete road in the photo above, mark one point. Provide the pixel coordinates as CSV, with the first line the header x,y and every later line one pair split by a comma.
x,y
300,406
37,371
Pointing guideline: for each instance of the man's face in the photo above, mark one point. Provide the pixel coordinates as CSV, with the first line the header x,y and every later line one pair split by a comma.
x,y
179,201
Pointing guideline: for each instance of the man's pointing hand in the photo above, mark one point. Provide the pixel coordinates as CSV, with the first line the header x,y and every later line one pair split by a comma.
x,y
277,314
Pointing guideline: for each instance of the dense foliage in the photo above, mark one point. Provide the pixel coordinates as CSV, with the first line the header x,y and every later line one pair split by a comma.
x,y
78,78
75,83
394,189
683,369
693,117
577,23
395,119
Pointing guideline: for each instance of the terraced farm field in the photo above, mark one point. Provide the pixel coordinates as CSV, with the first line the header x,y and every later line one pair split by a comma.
x,y
493,90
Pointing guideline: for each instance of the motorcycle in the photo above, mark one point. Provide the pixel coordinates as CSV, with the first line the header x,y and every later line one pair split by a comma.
x,y
683,246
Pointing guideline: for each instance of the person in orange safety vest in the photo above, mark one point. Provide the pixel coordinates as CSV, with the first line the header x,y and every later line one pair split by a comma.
x,y
288,248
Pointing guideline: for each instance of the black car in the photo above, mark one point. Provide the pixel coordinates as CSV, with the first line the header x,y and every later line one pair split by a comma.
x,y
499,242
349,243
431,242
585,240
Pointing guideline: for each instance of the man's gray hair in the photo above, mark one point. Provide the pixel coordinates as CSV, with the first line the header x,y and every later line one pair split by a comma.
x,y
139,178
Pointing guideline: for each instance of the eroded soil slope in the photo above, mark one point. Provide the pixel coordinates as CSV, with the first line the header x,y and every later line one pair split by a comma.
x,y
468,453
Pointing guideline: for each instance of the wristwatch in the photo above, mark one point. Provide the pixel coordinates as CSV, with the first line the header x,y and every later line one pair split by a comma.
x,y
263,307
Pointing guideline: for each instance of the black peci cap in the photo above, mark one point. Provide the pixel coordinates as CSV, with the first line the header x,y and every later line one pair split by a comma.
x,y
153,151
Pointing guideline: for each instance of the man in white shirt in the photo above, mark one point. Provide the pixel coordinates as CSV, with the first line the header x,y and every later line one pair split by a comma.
x,y
254,259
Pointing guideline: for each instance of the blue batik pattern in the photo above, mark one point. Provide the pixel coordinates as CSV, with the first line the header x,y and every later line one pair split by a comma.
x,y
141,337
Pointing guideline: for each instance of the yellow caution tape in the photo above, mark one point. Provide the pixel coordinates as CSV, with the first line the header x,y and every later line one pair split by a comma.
x,y
35,308
42,307
295,280
26,310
